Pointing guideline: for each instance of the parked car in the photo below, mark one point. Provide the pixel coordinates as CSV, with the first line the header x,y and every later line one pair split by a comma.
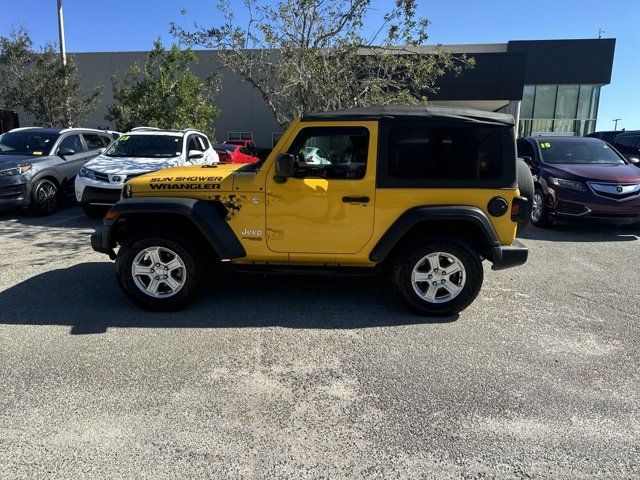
x,y
580,178
231,153
248,144
608,136
315,156
444,195
38,165
628,144
143,150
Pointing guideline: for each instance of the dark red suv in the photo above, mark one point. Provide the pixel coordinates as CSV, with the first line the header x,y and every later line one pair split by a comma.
x,y
577,177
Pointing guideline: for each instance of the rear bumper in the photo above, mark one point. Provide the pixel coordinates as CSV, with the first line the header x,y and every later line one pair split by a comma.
x,y
509,256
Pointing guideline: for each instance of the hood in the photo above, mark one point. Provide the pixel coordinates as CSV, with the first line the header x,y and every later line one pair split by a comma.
x,y
130,165
194,181
8,161
623,173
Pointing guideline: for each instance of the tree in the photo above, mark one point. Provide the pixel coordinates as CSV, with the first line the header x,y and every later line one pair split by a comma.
x,y
306,55
164,93
40,84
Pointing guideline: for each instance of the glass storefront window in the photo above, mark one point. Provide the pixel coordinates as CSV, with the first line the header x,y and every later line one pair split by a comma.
x,y
545,101
526,107
584,101
567,101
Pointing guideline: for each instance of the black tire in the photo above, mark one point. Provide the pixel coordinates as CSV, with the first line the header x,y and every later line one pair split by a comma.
x,y
543,220
45,197
95,211
402,275
192,275
526,187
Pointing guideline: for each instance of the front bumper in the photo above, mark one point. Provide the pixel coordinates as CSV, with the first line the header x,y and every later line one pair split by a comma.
x,y
101,240
509,256
94,192
568,204
14,192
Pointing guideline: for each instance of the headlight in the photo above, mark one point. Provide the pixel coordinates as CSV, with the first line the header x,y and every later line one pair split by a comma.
x,y
561,182
14,171
126,191
86,173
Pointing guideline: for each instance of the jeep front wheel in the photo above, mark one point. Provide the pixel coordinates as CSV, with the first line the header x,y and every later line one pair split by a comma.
x,y
438,277
159,271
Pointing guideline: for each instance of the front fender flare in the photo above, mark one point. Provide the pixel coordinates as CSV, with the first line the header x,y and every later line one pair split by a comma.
x,y
203,215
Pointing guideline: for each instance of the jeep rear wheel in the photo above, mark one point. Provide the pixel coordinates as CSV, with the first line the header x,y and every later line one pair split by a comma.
x,y
438,277
159,270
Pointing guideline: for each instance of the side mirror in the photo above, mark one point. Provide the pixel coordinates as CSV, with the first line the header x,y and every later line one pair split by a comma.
x,y
528,160
285,166
195,154
66,152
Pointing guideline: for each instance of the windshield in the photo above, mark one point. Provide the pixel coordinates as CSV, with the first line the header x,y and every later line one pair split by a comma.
x,y
148,146
578,152
225,147
27,142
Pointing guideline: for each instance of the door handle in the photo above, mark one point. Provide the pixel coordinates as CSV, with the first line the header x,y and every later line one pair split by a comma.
x,y
355,199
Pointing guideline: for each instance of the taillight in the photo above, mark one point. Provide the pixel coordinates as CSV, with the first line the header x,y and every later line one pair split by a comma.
x,y
519,209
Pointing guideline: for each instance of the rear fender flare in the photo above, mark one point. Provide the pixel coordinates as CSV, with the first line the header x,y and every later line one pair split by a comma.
x,y
411,218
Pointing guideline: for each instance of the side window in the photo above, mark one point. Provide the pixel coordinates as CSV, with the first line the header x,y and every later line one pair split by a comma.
x,y
446,153
339,153
193,144
245,151
106,141
94,142
204,142
73,142
525,149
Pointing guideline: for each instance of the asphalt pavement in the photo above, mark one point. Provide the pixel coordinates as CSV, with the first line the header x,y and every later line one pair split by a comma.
x,y
298,377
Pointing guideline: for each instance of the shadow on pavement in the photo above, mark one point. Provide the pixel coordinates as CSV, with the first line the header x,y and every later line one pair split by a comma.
x,y
581,232
87,298
67,215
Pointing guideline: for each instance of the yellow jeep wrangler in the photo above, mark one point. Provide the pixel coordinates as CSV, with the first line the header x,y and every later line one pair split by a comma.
x,y
422,194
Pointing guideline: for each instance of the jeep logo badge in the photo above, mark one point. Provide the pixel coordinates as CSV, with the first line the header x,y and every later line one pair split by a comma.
x,y
619,189
116,179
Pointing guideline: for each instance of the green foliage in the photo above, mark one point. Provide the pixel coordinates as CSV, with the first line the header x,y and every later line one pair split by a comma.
x,y
164,93
311,55
40,84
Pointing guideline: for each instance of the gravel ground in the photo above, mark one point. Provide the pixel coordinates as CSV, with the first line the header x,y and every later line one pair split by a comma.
x,y
278,377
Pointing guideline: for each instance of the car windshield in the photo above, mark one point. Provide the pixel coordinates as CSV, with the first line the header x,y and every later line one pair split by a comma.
x,y
27,142
148,146
578,152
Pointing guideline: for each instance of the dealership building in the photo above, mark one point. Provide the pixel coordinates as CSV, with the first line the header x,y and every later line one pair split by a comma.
x,y
547,85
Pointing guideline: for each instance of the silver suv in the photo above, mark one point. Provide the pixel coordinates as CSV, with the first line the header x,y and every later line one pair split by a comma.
x,y
38,165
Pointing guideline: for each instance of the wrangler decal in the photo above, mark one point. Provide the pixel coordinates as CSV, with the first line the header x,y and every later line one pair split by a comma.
x,y
184,186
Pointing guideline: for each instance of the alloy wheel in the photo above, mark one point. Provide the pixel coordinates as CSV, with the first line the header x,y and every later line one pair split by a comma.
x,y
538,207
47,196
158,272
438,277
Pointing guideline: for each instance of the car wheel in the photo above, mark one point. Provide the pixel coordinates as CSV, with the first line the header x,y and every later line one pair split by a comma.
x,y
44,197
438,277
159,270
526,187
539,212
95,211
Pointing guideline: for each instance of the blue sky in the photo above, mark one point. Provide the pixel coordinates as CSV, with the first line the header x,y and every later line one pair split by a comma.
x,y
121,25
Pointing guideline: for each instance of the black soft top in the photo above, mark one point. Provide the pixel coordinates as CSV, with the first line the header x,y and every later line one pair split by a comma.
x,y
448,114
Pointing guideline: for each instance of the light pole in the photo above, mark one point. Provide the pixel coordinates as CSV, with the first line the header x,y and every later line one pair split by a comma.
x,y
63,50
615,124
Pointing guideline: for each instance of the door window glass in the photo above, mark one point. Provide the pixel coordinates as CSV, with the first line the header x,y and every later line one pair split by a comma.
x,y
94,142
193,144
339,153
73,142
